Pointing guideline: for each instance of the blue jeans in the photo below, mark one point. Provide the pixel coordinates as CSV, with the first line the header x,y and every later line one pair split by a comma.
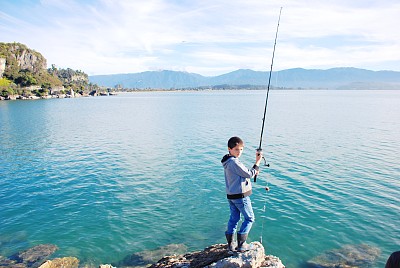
x,y
243,206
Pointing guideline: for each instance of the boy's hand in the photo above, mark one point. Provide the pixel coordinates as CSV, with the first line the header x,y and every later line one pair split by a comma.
x,y
259,156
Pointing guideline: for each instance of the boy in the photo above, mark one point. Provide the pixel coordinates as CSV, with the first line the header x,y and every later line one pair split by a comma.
x,y
238,191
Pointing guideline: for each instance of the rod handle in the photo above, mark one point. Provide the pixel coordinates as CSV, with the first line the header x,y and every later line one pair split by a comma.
x,y
259,151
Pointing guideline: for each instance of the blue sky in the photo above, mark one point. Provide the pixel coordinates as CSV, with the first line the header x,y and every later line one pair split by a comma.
x,y
208,37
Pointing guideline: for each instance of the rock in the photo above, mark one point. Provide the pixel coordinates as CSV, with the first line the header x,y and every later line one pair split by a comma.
x,y
35,256
106,266
255,257
66,262
2,66
24,57
4,262
272,262
11,97
150,256
349,256
217,256
72,93
252,258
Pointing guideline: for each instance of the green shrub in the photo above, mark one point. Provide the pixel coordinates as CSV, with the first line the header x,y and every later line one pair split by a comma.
x,y
7,92
4,82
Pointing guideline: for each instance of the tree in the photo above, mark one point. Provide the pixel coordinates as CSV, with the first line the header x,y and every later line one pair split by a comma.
x,y
25,78
7,92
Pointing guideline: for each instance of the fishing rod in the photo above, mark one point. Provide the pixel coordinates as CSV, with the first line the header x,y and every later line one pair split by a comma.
x,y
259,149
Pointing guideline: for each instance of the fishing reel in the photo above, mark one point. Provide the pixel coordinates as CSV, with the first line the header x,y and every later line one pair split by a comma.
x,y
259,151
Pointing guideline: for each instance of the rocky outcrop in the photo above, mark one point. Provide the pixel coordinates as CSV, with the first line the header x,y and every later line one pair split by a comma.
x,y
69,76
217,256
66,262
25,58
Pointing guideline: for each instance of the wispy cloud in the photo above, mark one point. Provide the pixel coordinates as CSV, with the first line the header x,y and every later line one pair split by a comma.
x,y
209,37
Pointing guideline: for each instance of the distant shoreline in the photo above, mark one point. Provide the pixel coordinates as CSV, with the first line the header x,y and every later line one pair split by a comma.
x,y
77,95
56,96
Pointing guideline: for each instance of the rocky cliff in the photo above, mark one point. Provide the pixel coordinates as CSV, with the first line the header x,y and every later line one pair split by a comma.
x,y
2,66
20,57
25,76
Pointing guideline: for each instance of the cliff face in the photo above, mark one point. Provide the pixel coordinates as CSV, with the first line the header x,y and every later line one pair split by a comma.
x,y
20,57
2,66
29,59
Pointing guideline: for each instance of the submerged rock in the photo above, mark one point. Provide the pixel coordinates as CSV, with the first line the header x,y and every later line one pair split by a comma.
x,y
5,262
143,258
33,257
217,256
349,256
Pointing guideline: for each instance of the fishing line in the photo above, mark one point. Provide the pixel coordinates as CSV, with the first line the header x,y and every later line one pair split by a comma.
x,y
259,149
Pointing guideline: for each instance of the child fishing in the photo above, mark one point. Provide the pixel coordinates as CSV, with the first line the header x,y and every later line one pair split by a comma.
x,y
238,190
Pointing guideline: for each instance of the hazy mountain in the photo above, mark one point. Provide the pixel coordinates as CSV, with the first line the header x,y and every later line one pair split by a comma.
x,y
336,78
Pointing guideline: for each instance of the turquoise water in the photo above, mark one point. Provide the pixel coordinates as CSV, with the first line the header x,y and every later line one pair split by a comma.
x,y
106,177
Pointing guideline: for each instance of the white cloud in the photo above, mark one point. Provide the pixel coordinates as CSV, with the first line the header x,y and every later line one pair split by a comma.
x,y
209,37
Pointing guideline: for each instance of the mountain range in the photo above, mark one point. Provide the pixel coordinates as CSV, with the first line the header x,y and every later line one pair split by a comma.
x,y
297,78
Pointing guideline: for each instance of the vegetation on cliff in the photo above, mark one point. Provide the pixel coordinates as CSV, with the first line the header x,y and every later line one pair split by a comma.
x,y
25,73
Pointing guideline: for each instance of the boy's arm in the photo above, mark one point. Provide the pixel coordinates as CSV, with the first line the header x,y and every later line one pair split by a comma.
x,y
244,172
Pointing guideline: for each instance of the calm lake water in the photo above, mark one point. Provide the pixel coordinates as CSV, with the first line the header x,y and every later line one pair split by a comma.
x,y
106,177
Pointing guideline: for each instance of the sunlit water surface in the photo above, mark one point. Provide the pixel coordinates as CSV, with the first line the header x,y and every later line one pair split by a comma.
x,y
106,177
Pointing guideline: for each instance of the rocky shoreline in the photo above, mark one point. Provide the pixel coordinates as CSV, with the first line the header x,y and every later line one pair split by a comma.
x,y
215,256
57,96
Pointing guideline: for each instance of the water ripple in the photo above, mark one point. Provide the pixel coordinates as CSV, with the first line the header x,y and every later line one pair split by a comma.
x,y
106,177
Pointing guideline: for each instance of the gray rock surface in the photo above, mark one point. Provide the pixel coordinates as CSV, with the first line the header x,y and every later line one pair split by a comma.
x,y
2,66
217,256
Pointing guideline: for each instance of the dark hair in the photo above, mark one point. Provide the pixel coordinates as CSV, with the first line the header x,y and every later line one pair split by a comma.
x,y
232,142
394,260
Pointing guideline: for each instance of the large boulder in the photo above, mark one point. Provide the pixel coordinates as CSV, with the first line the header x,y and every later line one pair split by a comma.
x,y
217,256
66,262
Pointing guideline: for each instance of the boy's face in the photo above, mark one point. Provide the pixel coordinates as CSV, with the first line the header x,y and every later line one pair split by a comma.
x,y
236,151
